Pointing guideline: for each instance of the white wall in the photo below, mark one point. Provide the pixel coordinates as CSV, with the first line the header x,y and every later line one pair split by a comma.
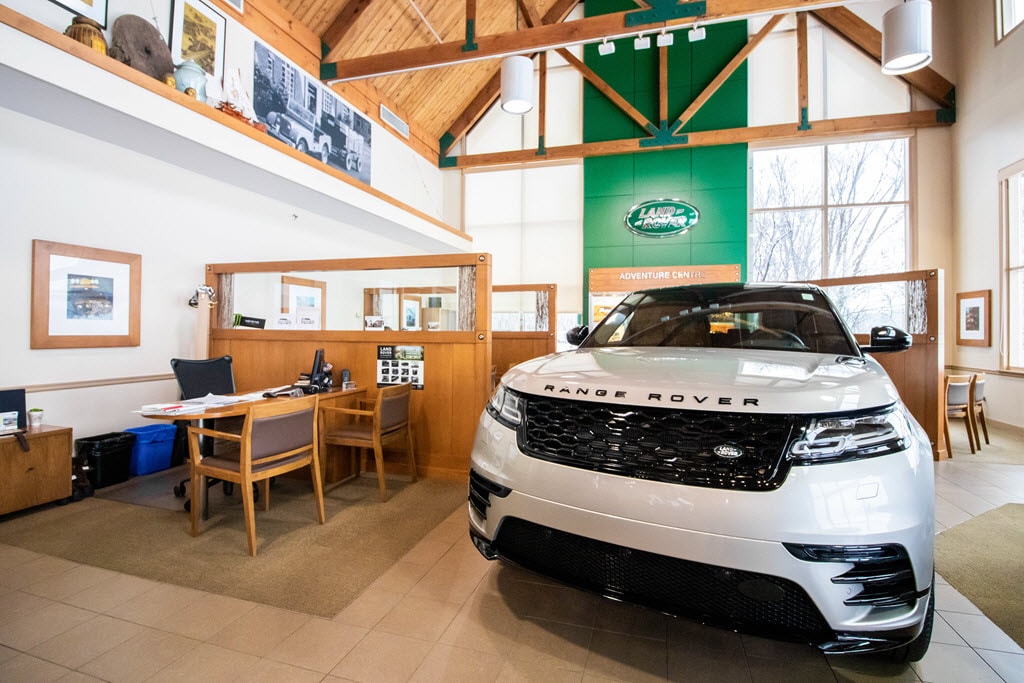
x,y
988,136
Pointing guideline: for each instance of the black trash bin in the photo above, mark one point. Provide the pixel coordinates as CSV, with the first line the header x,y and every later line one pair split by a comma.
x,y
107,457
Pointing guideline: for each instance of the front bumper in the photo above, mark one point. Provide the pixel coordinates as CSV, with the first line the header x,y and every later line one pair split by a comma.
x,y
713,555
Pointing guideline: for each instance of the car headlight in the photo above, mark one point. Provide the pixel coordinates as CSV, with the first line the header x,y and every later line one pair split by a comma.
x,y
504,407
840,438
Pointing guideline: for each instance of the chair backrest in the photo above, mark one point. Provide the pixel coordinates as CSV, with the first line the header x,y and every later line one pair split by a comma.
x,y
279,427
392,408
958,390
979,387
198,378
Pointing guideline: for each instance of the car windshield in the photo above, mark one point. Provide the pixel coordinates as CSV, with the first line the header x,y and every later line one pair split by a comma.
x,y
727,316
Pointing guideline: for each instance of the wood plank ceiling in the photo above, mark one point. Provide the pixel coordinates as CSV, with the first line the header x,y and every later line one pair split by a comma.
x,y
380,37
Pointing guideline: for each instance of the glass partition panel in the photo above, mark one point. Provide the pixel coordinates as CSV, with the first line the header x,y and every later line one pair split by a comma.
x,y
352,300
863,306
519,311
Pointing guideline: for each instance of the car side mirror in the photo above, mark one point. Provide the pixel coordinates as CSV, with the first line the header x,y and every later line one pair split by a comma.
x,y
886,339
576,335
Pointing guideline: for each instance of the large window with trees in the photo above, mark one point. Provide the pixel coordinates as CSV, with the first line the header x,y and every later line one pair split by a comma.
x,y
832,210
1009,13
1012,193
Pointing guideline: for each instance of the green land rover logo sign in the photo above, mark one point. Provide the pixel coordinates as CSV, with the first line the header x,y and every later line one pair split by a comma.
x,y
661,218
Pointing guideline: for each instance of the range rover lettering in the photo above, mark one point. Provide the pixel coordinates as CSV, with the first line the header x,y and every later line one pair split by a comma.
x,y
726,453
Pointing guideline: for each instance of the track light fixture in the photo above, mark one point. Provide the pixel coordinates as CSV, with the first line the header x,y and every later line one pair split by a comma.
x,y
665,39
605,48
907,37
697,33
641,42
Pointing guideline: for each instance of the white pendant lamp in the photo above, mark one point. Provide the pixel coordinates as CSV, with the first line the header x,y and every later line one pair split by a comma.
x,y
907,37
517,84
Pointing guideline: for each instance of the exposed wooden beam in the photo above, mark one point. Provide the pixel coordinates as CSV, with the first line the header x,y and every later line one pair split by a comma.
x,y
605,89
542,103
548,36
663,85
777,132
724,74
868,39
802,95
343,21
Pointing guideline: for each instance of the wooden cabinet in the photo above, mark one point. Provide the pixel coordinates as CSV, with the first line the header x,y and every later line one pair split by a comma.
x,y
40,475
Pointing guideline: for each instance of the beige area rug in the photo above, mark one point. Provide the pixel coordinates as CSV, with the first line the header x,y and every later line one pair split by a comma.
x,y
1006,447
983,558
300,565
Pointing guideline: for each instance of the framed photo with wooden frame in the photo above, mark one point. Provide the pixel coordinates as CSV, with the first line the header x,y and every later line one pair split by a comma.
x,y
91,9
974,318
84,297
197,33
300,296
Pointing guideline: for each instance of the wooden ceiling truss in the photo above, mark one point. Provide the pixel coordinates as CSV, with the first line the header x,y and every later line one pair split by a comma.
x,y
551,31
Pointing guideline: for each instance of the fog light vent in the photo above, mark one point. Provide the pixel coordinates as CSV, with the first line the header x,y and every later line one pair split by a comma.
x,y
884,572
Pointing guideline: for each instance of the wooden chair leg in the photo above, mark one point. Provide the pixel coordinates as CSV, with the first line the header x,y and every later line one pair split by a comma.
x,y
378,455
198,484
412,454
984,427
945,432
249,508
318,489
264,494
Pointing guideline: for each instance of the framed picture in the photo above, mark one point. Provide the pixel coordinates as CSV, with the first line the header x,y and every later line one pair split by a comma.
x,y
305,299
410,313
974,318
92,9
83,297
197,33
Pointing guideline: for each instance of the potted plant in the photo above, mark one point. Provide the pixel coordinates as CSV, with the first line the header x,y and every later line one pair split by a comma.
x,y
35,417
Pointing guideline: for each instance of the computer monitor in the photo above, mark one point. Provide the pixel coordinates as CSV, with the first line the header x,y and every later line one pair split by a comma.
x,y
12,410
318,367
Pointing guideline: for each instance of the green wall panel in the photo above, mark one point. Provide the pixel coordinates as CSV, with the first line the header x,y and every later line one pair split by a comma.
x,y
714,179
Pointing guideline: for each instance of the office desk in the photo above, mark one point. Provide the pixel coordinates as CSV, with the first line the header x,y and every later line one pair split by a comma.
x,y
332,469
40,475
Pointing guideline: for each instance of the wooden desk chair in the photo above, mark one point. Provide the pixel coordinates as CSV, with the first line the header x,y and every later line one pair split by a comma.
x,y
978,404
959,392
277,437
387,422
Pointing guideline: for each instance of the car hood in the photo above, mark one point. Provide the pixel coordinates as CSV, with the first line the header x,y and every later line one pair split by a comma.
x,y
708,379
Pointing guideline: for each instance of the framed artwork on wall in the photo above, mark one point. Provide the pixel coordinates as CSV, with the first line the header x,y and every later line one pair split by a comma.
x,y
974,318
91,9
84,297
197,33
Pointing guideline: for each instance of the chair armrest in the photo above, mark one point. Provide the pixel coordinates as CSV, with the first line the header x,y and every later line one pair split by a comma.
x,y
215,433
346,411
367,402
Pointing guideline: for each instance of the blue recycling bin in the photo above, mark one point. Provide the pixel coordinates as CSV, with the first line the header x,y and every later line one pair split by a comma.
x,y
152,449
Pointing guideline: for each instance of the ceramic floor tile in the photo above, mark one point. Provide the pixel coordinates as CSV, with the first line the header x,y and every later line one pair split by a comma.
x,y
621,617
85,642
426,552
628,658
527,671
951,664
260,630
416,617
563,646
156,604
79,677
202,618
77,579
110,593
13,556
706,666
36,569
270,671
318,644
1008,665
779,671
139,658
16,603
29,630
949,599
401,577
942,632
482,629
981,633
27,668
457,665
383,658
208,663
443,584
370,607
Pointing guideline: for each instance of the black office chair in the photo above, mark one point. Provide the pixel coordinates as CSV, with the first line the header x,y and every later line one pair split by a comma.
x,y
197,378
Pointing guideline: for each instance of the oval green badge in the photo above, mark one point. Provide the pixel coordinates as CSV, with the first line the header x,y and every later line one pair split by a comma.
x,y
661,218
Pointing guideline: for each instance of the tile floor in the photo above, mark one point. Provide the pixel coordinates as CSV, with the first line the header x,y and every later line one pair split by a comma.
x,y
443,613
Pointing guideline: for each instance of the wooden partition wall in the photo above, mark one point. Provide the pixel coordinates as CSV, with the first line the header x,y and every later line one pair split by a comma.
x,y
457,364
512,348
918,371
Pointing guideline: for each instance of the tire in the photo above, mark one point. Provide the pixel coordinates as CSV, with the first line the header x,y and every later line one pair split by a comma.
x,y
302,147
325,154
915,650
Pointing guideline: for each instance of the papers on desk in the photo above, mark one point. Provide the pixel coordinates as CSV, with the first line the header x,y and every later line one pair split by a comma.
x,y
192,405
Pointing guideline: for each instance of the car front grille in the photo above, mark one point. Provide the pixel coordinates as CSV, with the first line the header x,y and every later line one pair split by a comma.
x,y
743,451
743,600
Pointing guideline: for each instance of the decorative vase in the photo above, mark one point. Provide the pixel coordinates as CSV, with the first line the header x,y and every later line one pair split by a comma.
x,y
191,75
87,32
35,417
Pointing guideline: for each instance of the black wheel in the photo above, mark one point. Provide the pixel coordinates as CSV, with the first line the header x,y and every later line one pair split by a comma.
x,y
179,491
915,650
302,146
188,506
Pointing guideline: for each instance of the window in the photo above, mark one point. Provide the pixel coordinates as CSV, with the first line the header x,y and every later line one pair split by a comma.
x,y
825,211
1009,13
1012,192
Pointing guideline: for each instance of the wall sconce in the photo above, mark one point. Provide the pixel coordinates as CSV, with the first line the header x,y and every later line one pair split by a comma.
x,y
697,33
907,37
641,42
665,39
605,48
517,84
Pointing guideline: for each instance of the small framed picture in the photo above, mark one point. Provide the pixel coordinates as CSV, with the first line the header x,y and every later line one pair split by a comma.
x,y
197,33
973,313
91,9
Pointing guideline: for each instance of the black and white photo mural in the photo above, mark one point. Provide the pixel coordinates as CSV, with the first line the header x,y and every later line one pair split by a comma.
x,y
301,112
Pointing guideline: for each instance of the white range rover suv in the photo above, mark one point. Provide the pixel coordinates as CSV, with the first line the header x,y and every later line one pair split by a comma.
x,y
720,452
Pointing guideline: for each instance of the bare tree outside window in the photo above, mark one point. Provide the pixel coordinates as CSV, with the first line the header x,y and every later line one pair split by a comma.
x,y
837,210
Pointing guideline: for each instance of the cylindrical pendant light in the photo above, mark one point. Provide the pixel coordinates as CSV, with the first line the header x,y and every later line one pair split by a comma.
x,y
907,37
517,84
